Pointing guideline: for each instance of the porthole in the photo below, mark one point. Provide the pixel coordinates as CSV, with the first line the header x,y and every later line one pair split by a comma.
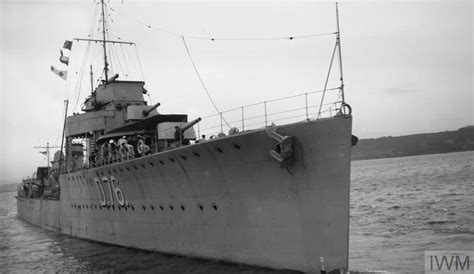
x,y
161,162
144,207
171,207
151,164
219,149
183,157
135,167
162,207
143,166
201,207
196,154
172,160
152,207
236,146
182,207
214,205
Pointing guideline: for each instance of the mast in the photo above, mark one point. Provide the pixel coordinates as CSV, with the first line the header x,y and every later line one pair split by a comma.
x,y
66,102
92,81
103,42
338,41
47,147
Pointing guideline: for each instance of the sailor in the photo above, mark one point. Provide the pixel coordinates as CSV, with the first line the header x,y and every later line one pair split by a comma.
x,y
178,133
179,136
126,150
132,140
122,141
93,157
122,155
103,153
130,151
111,148
25,190
203,139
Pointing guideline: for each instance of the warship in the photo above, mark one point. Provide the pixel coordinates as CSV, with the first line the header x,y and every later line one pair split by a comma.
x,y
263,193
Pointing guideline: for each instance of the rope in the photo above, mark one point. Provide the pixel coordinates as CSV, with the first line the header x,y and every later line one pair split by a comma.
x,y
327,79
139,63
202,82
223,39
125,62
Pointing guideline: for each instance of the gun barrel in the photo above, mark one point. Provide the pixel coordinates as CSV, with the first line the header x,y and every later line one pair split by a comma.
x,y
146,112
113,78
189,124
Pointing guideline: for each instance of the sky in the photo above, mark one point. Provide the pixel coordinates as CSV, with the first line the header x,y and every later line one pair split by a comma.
x,y
408,66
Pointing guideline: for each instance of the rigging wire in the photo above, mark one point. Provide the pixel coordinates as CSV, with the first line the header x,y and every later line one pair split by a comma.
x,y
139,62
141,70
116,52
222,39
83,65
327,79
202,82
81,75
125,62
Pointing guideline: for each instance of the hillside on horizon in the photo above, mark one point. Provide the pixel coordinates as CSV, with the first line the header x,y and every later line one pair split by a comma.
x,y
415,144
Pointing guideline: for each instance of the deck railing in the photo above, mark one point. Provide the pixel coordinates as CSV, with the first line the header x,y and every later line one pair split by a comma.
x,y
300,107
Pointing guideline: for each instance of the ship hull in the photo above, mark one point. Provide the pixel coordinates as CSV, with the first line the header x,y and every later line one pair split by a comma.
x,y
225,199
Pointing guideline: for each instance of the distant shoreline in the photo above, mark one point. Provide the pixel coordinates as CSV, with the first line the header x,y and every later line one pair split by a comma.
x,y
416,144
8,187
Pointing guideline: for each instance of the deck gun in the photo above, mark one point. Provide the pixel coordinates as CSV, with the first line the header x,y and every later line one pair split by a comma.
x,y
179,130
146,112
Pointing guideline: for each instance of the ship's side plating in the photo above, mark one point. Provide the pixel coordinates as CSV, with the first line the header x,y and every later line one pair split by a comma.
x,y
225,199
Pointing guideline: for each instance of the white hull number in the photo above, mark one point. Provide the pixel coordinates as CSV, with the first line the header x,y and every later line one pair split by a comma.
x,y
114,191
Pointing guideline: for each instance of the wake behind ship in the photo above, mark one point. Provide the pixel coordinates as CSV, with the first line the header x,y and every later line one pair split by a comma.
x,y
263,193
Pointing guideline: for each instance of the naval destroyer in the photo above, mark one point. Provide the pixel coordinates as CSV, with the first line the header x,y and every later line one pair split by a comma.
x,y
271,193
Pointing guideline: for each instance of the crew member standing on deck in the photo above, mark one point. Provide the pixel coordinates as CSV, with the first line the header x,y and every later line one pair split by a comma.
x,y
111,155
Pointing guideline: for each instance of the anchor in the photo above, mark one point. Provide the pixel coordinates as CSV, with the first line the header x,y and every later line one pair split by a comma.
x,y
283,152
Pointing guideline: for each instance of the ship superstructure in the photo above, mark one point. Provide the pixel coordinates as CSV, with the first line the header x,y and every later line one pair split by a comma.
x,y
274,195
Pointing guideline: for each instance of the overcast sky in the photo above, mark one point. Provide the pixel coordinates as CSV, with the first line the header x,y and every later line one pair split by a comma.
x,y
408,66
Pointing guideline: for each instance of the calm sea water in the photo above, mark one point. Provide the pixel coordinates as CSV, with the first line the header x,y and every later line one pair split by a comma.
x,y
400,207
